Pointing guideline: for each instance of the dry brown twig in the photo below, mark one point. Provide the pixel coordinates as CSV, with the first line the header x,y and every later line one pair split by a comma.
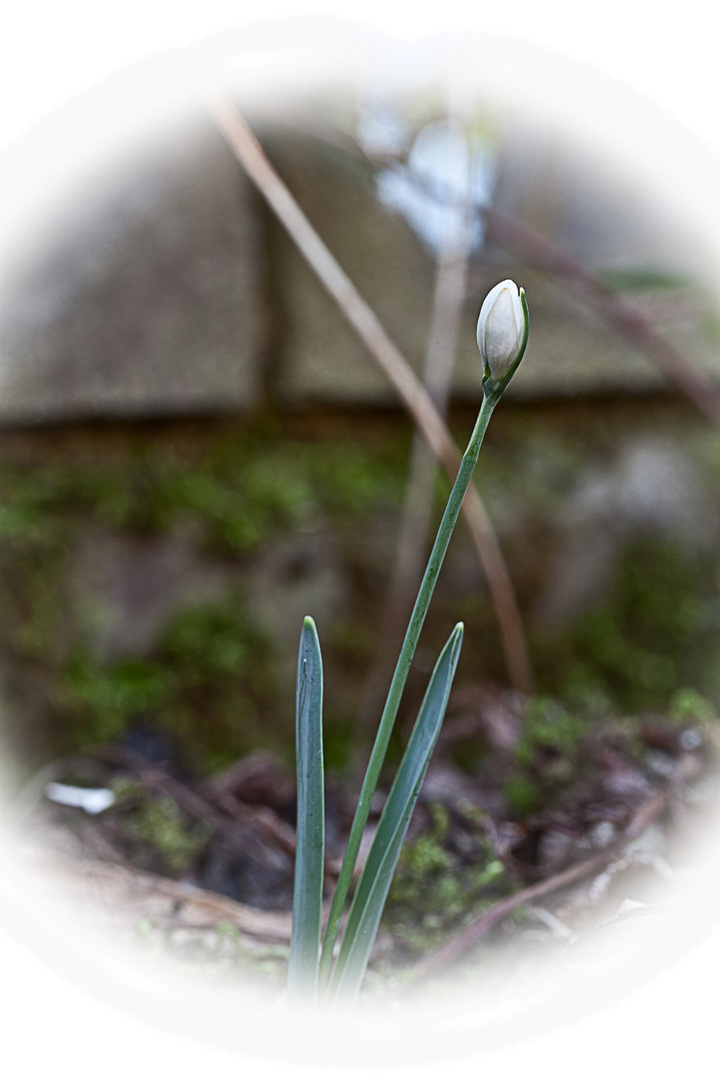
x,y
457,946
632,324
538,251
412,393
124,888
412,541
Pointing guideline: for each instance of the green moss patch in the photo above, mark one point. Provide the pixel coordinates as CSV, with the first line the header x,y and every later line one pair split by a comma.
x,y
436,884
211,676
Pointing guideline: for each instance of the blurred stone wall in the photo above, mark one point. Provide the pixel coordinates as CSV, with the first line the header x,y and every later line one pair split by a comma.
x,y
146,304
175,292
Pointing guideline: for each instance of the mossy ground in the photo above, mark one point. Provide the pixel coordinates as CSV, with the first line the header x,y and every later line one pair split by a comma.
x,y
157,828
655,630
437,883
650,644
211,677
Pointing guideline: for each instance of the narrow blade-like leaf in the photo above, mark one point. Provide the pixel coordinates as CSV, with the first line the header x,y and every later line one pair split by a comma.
x,y
309,855
374,884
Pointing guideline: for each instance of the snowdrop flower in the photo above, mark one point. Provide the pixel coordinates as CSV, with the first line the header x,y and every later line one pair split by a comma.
x,y
502,331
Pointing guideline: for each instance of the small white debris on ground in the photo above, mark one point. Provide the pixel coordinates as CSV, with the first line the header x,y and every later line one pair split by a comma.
x,y
91,800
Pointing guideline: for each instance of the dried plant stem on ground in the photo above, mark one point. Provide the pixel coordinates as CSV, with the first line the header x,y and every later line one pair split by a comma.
x,y
99,861
413,394
457,946
117,889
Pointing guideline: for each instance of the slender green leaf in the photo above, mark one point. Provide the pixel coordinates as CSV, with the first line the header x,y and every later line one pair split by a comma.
x,y
374,884
392,703
309,856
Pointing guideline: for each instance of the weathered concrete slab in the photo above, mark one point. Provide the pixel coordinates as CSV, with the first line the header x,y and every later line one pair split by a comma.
x,y
146,302
321,358
572,350
174,294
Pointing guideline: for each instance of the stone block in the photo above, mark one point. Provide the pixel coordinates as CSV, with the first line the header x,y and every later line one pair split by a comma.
x,y
572,350
145,301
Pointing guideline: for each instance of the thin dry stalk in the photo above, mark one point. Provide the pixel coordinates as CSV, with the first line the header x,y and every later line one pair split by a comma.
x,y
413,394
537,251
458,946
124,888
547,257
412,543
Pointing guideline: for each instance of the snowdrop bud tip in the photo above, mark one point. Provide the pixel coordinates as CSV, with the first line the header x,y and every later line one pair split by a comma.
x,y
502,330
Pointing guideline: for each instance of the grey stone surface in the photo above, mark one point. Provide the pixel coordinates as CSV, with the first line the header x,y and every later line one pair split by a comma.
x,y
654,488
145,300
170,292
129,587
571,349
322,359
290,579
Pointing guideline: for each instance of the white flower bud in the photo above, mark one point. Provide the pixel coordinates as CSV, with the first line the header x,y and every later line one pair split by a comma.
x,y
502,330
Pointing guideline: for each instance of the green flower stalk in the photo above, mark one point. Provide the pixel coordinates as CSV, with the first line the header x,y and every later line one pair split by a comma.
x,y
502,335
